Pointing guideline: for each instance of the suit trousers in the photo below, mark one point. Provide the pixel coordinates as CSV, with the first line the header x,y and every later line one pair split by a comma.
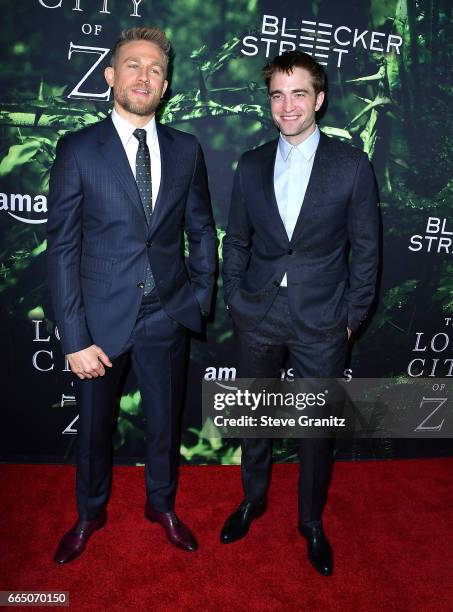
x,y
273,345
158,350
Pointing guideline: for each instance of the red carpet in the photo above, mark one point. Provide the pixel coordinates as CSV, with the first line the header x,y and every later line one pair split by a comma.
x,y
390,524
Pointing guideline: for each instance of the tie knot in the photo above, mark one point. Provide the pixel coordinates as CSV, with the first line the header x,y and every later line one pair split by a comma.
x,y
140,135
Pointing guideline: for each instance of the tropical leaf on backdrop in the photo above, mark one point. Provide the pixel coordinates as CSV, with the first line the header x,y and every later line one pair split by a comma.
x,y
400,109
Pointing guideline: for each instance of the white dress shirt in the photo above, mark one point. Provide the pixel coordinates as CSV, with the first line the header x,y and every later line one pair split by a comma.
x,y
292,170
130,143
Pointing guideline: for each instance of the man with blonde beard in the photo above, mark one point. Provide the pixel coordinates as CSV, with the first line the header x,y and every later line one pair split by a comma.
x,y
122,194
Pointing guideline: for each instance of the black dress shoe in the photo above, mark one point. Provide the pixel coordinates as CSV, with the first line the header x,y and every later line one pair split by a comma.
x,y
237,525
74,541
319,549
176,531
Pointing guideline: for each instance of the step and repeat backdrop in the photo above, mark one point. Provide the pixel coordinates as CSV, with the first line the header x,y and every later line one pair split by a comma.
x,y
388,63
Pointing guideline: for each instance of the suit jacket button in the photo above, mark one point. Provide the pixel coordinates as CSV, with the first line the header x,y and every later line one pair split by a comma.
x,y
149,243
276,284
141,285
290,251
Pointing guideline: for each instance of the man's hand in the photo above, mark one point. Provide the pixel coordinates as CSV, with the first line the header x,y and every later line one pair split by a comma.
x,y
89,362
349,333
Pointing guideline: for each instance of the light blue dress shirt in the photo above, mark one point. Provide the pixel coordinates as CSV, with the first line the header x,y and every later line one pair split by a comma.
x,y
292,170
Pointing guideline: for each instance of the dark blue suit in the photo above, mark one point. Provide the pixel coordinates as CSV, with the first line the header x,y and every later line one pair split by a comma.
x,y
99,241
326,292
331,265
99,244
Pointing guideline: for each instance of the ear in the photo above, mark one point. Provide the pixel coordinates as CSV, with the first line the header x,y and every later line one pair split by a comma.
x,y
319,100
109,74
164,88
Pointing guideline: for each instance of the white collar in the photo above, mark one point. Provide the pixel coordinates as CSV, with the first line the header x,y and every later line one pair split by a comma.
x,y
126,130
307,148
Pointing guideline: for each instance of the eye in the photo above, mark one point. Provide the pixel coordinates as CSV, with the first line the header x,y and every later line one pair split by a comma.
x,y
276,97
132,66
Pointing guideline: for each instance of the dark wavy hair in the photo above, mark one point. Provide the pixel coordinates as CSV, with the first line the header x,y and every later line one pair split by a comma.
x,y
286,62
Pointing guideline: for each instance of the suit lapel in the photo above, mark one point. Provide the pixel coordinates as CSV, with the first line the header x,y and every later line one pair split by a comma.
x,y
168,161
267,167
115,156
315,187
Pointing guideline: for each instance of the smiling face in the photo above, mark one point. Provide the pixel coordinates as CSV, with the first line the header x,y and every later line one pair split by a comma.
x,y
294,103
138,80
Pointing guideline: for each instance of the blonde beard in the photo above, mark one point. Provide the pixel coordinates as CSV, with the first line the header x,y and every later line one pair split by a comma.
x,y
137,109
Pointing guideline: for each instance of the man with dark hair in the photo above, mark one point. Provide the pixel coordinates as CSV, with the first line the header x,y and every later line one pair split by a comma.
x,y
299,204
122,194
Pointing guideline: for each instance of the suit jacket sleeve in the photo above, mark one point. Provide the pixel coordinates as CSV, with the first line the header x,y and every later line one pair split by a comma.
x,y
201,235
64,240
237,240
363,229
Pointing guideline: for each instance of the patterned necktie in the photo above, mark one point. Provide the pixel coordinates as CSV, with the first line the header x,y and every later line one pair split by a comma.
x,y
144,184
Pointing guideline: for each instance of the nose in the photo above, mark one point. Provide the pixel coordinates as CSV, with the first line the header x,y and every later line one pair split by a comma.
x,y
287,105
143,76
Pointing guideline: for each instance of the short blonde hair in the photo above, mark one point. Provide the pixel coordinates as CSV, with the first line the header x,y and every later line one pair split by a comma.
x,y
151,34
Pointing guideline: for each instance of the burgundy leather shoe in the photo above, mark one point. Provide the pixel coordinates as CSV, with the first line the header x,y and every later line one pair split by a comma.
x,y
73,543
177,533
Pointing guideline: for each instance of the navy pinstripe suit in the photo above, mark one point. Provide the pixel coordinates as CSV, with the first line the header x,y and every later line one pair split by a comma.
x,y
99,244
